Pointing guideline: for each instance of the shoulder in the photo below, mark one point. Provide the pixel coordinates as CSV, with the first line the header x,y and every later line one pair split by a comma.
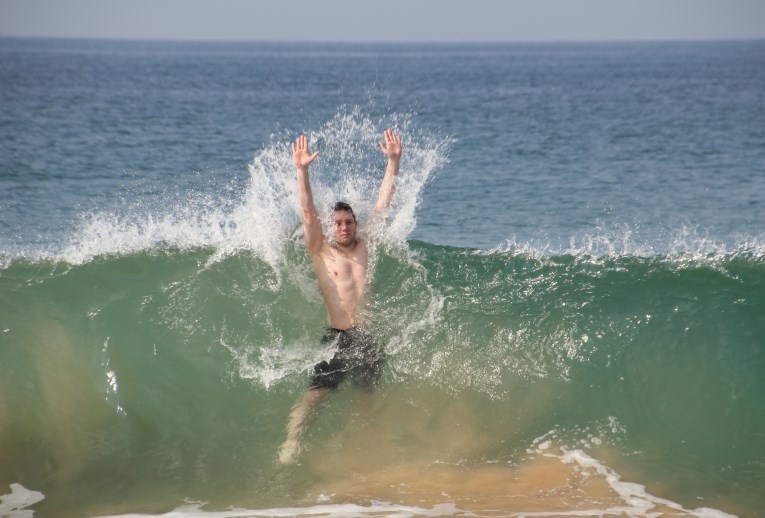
x,y
322,249
361,243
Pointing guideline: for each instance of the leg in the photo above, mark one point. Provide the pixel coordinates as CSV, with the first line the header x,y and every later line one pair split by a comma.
x,y
326,378
368,362
301,417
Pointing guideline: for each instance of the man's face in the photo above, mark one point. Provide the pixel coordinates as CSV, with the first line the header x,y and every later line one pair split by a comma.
x,y
345,228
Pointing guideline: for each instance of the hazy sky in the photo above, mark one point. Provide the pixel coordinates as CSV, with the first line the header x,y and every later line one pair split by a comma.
x,y
386,20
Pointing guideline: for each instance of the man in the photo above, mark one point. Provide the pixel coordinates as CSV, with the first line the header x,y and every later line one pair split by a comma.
x,y
340,264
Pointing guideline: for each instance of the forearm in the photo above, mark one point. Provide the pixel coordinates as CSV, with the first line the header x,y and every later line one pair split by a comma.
x,y
311,221
304,190
388,187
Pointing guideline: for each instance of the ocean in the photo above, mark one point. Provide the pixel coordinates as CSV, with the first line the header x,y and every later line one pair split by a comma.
x,y
569,285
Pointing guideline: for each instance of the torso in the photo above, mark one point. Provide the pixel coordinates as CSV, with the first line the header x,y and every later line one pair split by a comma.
x,y
342,276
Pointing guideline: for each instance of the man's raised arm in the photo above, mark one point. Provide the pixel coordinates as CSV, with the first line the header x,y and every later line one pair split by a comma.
x,y
392,149
311,222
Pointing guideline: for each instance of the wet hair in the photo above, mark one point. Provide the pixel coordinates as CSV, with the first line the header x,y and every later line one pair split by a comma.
x,y
341,205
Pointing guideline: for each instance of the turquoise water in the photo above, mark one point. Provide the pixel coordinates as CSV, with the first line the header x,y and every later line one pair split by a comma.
x,y
132,382
570,285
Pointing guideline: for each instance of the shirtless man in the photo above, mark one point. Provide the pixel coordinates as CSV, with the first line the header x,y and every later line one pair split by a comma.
x,y
340,264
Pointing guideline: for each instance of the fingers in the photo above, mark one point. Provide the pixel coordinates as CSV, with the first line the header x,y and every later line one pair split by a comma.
x,y
392,145
391,137
391,142
301,156
300,144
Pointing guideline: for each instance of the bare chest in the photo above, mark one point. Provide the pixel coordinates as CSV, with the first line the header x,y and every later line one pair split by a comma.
x,y
344,271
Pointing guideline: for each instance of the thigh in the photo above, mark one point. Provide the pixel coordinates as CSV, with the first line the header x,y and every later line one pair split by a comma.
x,y
368,361
329,374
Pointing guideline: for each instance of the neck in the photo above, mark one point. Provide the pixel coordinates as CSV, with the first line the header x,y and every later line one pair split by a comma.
x,y
349,247
346,248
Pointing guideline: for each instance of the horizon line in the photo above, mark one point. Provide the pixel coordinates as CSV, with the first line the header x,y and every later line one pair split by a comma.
x,y
382,42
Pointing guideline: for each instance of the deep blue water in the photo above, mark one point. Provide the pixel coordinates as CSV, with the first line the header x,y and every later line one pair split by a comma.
x,y
553,141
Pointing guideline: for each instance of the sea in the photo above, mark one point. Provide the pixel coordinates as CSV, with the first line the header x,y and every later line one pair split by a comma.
x,y
569,285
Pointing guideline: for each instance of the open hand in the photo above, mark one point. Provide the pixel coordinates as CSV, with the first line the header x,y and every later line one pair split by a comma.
x,y
392,145
300,154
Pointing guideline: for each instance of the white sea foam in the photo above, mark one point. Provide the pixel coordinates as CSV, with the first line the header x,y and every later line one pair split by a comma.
x,y
637,501
639,505
634,499
262,215
14,504
607,241
339,510
265,213
350,167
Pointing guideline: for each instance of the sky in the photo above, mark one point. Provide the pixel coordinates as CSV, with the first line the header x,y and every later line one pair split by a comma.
x,y
386,20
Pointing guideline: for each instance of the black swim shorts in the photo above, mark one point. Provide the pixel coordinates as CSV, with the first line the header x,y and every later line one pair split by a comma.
x,y
357,356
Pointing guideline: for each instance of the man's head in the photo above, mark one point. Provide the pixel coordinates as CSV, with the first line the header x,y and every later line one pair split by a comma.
x,y
345,224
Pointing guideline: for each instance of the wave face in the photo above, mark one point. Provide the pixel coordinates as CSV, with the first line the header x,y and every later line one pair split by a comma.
x,y
151,376
152,358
